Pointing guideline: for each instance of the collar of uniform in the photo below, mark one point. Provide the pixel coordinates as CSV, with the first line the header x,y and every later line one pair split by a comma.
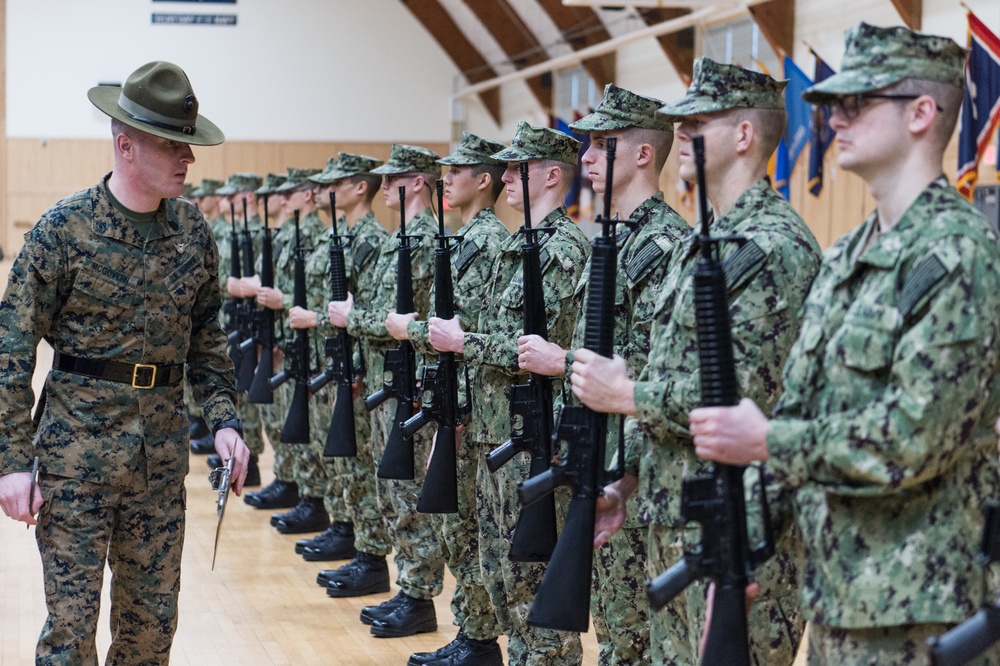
x,y
555,218
108,222
641,214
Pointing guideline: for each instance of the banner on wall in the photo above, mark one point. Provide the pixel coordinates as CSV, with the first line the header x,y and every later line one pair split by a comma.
x,y
981,106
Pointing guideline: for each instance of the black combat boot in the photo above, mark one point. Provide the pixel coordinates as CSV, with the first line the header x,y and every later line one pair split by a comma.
x,y
309,515
410,616
278,495
365,574
371,613
336,543
463,651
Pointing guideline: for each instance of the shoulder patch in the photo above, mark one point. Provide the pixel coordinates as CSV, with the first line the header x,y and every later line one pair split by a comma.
x,y
362,253
643,260
467,251
742,262
919,282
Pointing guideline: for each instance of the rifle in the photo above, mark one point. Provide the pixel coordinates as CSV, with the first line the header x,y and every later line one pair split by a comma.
x,y
716,500
341,440
260,392
563,598
531,408
440,389
231,308
400,367
246,313
970,639
296,428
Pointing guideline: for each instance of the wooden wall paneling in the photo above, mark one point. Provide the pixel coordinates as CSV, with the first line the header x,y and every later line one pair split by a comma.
x,y
911,11
678,46
4,226
776,20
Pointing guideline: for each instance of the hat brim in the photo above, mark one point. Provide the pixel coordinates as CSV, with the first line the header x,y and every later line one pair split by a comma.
x,y
206,133
848,83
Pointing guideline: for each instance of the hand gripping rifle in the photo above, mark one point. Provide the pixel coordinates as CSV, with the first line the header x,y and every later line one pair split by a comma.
x,y
341,440
970,639
231,308
563,598
260,392
440,391
531,408
296,428
716,501
247,314
400,373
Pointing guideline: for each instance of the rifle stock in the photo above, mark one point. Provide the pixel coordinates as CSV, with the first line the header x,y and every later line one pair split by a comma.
x,y
296,427
233,306
400,368
247,314
260,392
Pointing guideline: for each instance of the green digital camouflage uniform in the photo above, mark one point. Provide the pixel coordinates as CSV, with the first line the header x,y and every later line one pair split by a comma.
x,y
618,600
419,560
89,284
885,427
491,354
236,183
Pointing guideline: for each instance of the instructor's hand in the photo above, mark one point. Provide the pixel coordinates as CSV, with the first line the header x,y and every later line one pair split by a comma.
x,y
14,489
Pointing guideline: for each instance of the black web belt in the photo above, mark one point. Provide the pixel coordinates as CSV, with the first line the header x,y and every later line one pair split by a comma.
x,y
140,375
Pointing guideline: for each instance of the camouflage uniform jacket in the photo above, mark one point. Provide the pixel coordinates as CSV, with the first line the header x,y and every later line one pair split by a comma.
x,y
885,426
491,352
311,229
368,322
642,254
472,260
91,286
360,259
767,280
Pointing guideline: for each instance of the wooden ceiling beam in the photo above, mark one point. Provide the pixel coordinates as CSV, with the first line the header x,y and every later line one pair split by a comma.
x,y
678,46
517,41
911,11
466,57
582,27
776,20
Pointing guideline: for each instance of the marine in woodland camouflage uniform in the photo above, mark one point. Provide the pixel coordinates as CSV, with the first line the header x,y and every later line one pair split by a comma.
x,y
116,290
418,554
471,263
620,611
884,428
491,353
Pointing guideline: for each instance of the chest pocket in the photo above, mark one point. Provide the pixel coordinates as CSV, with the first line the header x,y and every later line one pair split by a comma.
x,y
184,282
867,338
102,289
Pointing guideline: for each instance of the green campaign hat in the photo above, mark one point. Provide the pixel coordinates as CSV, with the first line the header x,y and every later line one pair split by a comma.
x,y
347,165
540,143
718,87
240,182
408,159
271,183
296,178
878,57
473,149
158,99
622,108
207,188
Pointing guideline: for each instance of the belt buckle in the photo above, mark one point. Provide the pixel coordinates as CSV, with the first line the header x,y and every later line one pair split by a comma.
x,y
135,375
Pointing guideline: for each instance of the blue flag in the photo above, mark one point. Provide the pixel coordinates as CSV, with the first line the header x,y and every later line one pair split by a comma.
x,y
981,105
822,134
798,131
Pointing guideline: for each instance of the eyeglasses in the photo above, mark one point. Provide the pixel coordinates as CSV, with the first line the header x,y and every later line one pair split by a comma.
x,y
851,105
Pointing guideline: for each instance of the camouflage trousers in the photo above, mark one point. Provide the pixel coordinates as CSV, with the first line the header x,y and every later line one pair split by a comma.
x,y
512,585
775,625
273,417
253,434
310,471
618,599
357,488
419,561
140,535
470,604
901,646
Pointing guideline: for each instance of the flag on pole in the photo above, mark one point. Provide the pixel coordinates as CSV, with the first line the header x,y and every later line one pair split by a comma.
x,y
798,130
822,135
981,105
